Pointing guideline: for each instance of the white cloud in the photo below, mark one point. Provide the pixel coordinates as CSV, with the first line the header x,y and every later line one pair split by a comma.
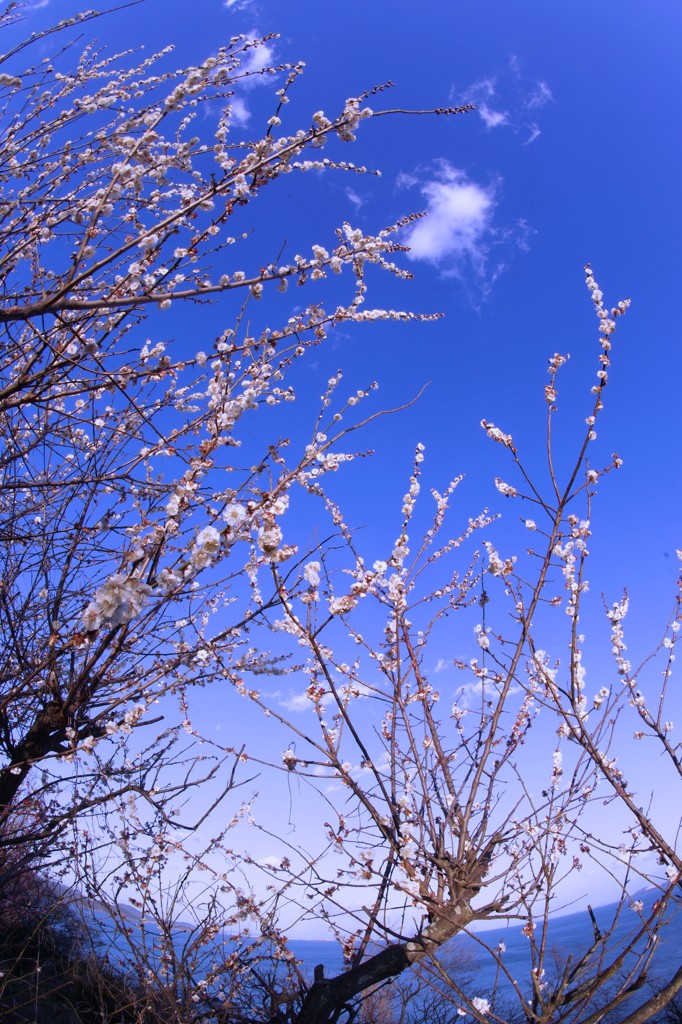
x,y
541,95
254,60
458,222
258,56
515,64
534,131
270,861
521,234
507,98
355,199
481,89
442,664
237,5
459,233
492,118
472,694
296,702
241,114
478,93
406,180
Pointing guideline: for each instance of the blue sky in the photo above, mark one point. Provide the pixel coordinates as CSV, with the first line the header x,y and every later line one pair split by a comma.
x,y
573,155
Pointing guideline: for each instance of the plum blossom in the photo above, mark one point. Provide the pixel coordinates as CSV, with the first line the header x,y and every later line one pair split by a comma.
x,y
495,434
205,548
127,724
556,362
482,638
116,602
481,1005
173,505
495,564
289,760
506,489
342,605
269,540
312,574
88,745
234,515
279,505
557,761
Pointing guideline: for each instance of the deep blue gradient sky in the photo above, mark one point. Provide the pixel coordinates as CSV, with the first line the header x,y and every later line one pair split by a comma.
x,y
574,155
584,164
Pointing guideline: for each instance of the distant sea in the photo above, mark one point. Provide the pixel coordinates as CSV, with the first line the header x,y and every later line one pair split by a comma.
x,y
571,933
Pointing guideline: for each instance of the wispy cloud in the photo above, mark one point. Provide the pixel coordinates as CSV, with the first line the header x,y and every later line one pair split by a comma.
x,y
482,88
508,99
492,118
257,57
354,198
241,115
237,5
471,695
534,132
296,702
271,861
455,232
481,93
541,95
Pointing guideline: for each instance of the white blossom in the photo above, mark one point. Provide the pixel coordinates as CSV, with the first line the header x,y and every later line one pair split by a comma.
x,y
234,515
342,605
289,759
506,489
311,573
205,548
116,602
496,434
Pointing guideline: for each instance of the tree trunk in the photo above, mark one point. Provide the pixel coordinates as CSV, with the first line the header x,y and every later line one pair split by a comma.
x,y
326,998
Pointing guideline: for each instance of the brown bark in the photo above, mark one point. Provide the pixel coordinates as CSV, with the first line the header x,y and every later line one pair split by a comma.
x,y
326,998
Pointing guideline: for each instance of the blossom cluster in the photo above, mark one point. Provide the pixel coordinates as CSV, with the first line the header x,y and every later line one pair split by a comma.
x,y
119,600
571,554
